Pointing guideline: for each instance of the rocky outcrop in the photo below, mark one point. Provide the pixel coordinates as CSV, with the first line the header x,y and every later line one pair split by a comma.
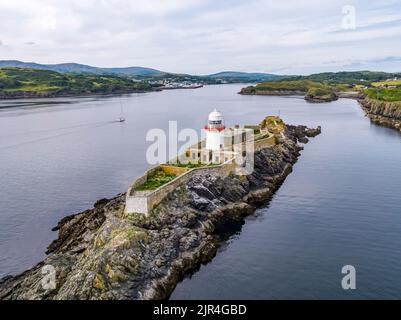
x,y
103,254
348,94
383,113
302,133
251,90
314,95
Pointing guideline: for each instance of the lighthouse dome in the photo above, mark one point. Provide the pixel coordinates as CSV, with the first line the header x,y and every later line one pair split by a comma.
x,y
215,117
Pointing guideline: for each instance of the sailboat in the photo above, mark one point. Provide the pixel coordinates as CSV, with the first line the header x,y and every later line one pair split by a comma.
x,y
121,119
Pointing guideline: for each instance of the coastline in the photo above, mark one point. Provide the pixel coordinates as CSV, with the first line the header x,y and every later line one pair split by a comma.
x,y
387,114
102,254
306,95
27,95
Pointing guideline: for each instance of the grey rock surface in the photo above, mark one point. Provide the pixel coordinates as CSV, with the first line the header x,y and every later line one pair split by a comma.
x,y
103,254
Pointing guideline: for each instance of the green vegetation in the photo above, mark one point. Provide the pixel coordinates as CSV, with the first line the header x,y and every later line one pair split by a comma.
x,y
313,90
192,165
273,124
386,84
189,165
354,77
323,93
326,86
384,94
17,82
157,179
296,85
320,91
389,90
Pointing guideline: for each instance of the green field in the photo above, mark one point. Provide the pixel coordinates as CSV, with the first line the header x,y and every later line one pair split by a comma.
x,y
158,179
387,83
349,77
312,89
17,81
383,94
326,89
296,85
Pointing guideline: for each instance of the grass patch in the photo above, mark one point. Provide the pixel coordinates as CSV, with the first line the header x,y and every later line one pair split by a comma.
x,y
33,88
384,94
273,124
297,85
19,80
190,165
387,83
324,92
158,179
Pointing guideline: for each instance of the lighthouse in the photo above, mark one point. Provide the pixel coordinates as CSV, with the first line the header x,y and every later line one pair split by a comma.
x,y
214,131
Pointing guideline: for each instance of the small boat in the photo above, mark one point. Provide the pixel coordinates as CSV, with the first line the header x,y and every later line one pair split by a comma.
x,y
121,119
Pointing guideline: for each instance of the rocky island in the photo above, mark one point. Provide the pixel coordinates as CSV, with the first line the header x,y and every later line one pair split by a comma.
x,y
311,90
105,253
379,94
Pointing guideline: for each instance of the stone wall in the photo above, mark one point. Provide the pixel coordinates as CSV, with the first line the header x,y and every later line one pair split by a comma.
x,y
137,201
142,179
265,143
145,201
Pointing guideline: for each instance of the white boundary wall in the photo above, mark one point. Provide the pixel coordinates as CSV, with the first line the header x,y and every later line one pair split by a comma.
x,y
144,201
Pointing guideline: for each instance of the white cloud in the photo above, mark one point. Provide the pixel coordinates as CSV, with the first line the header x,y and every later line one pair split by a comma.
x,y
199,36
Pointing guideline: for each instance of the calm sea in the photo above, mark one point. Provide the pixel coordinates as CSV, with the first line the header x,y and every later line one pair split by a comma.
x,y
340,206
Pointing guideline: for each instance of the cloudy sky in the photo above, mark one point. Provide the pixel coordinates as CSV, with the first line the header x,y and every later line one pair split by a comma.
x,y
206,36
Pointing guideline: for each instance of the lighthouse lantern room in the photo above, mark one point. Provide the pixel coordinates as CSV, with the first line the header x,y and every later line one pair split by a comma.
x,y
214,131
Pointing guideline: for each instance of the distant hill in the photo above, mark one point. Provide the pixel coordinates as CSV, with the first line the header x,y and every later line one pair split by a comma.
x,y
141,72
349,77
245,76
82,68
32,82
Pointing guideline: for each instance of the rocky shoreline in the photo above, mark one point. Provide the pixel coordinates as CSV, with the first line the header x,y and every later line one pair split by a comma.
x,y
310,97
383,113
313,98
60,94
317,99
251,90
103,254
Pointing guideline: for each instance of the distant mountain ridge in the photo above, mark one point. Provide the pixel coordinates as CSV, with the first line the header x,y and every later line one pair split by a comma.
x,y
135,71
256,76
224,76
81,68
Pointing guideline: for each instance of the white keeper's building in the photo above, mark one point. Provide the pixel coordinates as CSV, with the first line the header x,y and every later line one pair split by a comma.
x,y
221,144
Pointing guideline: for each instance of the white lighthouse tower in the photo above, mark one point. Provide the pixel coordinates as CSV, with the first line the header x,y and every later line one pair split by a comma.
x,y
214,131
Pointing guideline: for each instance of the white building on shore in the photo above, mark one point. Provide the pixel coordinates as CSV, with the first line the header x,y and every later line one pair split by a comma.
x,y
225,151
221,144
